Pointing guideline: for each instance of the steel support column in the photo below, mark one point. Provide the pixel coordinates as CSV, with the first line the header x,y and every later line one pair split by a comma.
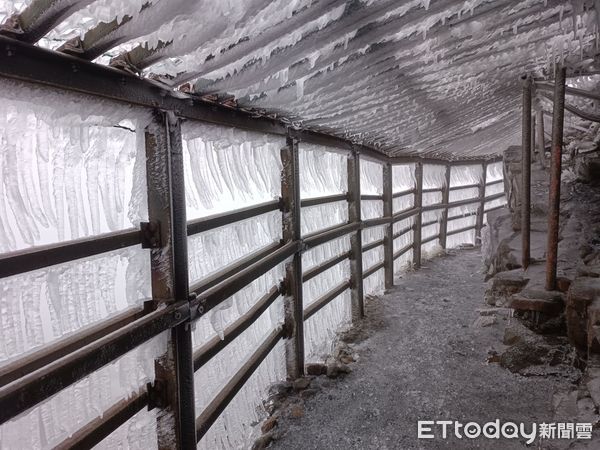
x,y
555,176
388,244
174,379
419,217
526,149
356,268
445,201
481,208
293,304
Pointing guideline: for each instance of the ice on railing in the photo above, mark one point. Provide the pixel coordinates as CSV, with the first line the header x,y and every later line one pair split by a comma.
x,y
374,284
465,175
371,177
466,237
434,176
316,287
321,330
212,250
238,424
432,198
10,7
403,203
137,432
405,239
495,171
215,322
45,305
469,208
496,202
371,209
316,255
227,169
457,195
319,217
494,189
72,166
49,423
323,172
403,177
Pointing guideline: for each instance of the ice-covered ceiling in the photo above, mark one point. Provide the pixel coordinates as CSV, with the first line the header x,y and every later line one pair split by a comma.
x,y
434,77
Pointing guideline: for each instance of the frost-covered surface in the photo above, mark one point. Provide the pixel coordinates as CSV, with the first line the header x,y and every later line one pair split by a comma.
x,y
323,172
434,176
334,66
371,177
403,203
467,174
52,421
227,168
71,166
374,284
403,177
371,209
318,217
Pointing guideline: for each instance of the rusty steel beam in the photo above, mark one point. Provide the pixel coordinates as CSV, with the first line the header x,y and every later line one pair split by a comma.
x,y
481,208
526,149
169,276
388,240
555,178
419,217
293,303
354,216
445,201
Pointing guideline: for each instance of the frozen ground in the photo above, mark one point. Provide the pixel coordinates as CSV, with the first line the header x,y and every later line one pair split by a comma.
x,y
425,359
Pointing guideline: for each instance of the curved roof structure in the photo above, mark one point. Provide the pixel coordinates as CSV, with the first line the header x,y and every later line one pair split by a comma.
x,y
438,78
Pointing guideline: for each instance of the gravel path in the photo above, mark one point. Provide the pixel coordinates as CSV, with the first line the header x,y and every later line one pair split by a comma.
x,y
425,359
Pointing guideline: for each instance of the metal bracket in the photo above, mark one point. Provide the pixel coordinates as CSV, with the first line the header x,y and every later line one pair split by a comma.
x,y
157,394
151,235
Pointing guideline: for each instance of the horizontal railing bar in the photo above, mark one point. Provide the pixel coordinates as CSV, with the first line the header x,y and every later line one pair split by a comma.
x,y
211,348
50,255
48,354
321,302
397,234
464,202
403,193
322,200
372,245
403,250
224,397
429,223
37,386
462,216
433,207
101,427
430,238
466,186
234,267
229,217
210,298
406,214
371,197
461,230
489,198
376,222
431,190
494,208
320,237
491,183
320,268
367,273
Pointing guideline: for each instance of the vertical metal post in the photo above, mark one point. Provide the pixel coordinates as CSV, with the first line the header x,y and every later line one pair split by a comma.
x,y
555,175
174,373
356,265
526,150
481,208
388,243
293,304
541,142
419,217
445,201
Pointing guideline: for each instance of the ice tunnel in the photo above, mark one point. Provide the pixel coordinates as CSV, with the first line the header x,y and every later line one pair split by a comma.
x,y
197,199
